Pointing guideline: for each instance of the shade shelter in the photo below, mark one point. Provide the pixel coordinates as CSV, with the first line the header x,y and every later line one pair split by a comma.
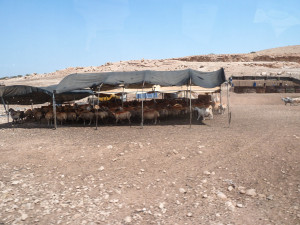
x,y
28,95
141,79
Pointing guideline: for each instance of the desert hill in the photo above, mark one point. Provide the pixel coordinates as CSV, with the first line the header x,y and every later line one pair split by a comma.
x,y
283,61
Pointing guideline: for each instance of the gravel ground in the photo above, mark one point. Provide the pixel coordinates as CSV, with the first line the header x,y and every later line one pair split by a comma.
x,y
164,174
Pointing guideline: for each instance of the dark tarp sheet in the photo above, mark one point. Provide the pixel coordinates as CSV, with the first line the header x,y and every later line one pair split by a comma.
x,y
136,79
26,95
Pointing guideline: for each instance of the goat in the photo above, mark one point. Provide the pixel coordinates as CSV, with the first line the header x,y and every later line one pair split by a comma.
x,y
292,101
15,115
204,112
222,108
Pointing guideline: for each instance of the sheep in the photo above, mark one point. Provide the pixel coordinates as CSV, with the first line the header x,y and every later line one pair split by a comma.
x,y
49,117
151,114
61,116
85,115
122,115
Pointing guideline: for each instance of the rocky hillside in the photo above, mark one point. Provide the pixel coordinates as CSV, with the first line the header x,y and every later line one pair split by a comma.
x,y
283,54
284,61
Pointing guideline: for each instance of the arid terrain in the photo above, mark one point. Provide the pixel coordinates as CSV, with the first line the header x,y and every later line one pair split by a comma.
x,y
211,173
163,174
284,61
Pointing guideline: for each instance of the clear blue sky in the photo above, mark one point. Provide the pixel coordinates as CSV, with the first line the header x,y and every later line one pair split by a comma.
x,y
46,35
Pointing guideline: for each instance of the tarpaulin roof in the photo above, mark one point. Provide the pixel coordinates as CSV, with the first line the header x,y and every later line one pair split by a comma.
x,y
25,95
137,79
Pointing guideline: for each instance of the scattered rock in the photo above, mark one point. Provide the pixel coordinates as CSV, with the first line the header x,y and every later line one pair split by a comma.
x,y
270,197
182,190
221,195
128,219
24,216
261,196
101,168
251,192
206,172
242,190
230,188
109,146
230,205
239,205
189,214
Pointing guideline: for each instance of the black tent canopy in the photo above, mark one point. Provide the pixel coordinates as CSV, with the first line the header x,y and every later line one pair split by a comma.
x,y
139,79
26,95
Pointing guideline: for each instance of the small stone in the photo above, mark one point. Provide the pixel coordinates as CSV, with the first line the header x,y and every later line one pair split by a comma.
x,y
161,205
230,206
182,190
270,197
204,196
221,195
76,216
201,146
239,205
230,188
189,214
261,196
15,182
128,219
109,146
24,216
175,152
242,190
251,192
101,168
206,172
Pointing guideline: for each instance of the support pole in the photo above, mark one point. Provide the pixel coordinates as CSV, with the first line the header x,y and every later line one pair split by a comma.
x,y
221,94
142,123
229,113
54,109
190,103
8,113
123,96
6,109
97,106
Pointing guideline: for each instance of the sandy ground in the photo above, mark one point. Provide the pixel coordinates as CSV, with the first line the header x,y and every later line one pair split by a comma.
x,y
164,174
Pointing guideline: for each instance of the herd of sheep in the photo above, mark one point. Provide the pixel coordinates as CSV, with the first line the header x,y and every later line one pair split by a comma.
x,y
111,112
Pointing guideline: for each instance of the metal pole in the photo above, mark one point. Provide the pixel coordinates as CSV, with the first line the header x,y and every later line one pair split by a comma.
x,y
142,123
221,94
190,103
97,107
6,110
123,96
229,113
54,109
8,114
